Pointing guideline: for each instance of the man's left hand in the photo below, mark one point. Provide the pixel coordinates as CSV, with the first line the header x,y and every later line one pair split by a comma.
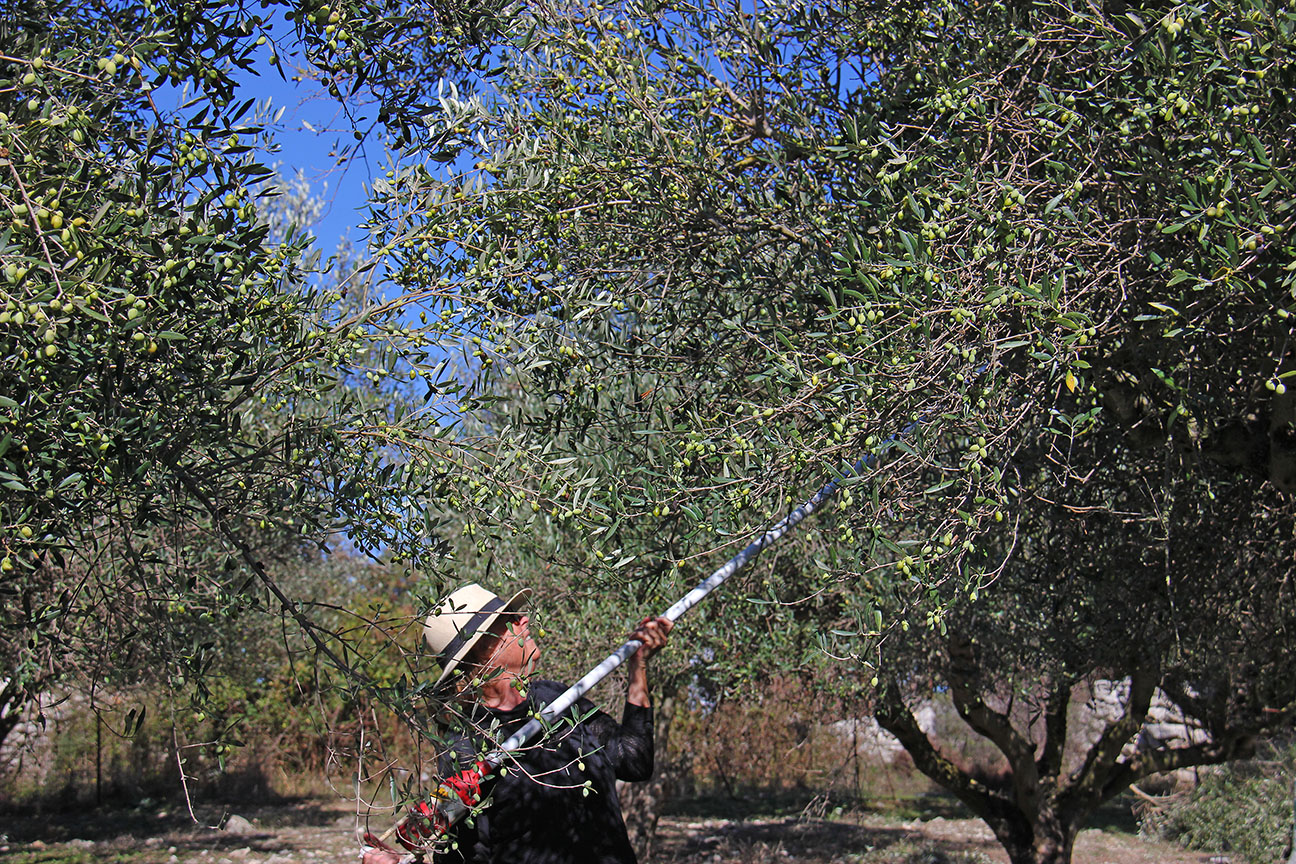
x,y
653,633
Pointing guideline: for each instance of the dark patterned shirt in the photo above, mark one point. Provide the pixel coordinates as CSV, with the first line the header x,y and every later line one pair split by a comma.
x,y
555,800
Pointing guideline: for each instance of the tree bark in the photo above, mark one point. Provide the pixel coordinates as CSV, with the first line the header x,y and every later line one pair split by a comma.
x,y
642,803
1044,837
7,725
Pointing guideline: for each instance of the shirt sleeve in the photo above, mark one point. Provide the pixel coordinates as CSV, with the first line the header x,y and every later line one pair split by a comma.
x,y
628,744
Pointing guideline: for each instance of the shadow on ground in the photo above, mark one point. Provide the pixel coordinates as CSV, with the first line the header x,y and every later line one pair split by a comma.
x,y
103,824
798,837
814,841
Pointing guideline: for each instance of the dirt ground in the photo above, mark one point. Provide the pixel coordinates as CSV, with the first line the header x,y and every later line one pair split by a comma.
x,y
324,831
876,839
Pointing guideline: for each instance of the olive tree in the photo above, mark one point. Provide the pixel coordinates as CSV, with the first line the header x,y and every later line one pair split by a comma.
x,y
1175,609
1045,244
188,392
1149,539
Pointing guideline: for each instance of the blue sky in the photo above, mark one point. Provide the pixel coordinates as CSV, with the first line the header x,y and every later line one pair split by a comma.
x,y
309,132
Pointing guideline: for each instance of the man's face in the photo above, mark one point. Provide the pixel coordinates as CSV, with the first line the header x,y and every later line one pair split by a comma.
x,y
515,650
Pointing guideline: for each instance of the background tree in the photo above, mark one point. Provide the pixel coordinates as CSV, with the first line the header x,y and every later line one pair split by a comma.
x,y
184,395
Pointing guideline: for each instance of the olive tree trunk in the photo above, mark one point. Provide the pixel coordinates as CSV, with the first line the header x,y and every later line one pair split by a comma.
x,y
642,803
1035,805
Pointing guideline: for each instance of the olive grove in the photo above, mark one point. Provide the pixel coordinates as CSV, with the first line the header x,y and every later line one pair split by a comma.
x,y
642,276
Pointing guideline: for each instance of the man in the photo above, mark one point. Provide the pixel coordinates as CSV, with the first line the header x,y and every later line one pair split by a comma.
x,y
554,801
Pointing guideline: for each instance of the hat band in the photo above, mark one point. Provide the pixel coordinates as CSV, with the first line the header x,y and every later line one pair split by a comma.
x,y
470,629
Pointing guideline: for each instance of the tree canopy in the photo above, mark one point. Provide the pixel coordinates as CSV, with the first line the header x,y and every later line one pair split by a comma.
x,y
658,270
714,254
189,391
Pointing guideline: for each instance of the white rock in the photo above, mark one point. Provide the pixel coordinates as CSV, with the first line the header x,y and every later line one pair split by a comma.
x,y
238,825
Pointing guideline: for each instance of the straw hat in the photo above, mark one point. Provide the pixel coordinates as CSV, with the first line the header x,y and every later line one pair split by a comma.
x,y
459,622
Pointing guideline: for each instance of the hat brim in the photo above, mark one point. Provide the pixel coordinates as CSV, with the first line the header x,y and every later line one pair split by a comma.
x,y
451,665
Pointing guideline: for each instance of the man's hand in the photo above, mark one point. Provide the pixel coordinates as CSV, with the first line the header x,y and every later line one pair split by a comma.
x,y
375,851
373,855
653,633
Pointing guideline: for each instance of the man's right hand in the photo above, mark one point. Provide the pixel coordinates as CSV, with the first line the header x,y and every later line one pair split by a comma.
x,y
375,851
379,856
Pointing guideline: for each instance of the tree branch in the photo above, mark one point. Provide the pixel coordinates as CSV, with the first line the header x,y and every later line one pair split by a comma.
x,y
894,716
1238,746
991,724
293,609
1056,703
1091,779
